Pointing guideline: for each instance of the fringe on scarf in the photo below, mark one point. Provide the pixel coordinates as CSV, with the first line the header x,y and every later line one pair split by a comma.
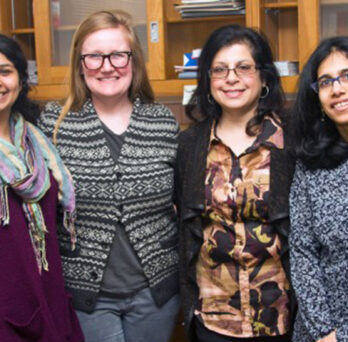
x,y
37,231
69,225
4,209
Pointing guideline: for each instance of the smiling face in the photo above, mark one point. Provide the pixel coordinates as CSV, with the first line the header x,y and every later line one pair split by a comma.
x,y
237,95
334,99
9,85
107,82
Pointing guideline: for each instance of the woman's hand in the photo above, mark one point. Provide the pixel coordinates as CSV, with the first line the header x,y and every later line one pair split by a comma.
x,y
329,338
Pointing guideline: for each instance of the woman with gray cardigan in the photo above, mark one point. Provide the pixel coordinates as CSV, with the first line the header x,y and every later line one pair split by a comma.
x,y
318,200
120,147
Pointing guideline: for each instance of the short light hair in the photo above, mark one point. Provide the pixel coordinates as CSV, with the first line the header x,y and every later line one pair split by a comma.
x,y
78,91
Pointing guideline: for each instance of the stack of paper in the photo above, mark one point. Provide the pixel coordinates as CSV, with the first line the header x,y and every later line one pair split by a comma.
x,y
186,71
286,68
190,65
208,8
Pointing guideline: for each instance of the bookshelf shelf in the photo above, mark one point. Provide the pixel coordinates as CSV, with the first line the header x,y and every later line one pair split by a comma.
x,y
333,2
279,5
205,19
28,30
66,28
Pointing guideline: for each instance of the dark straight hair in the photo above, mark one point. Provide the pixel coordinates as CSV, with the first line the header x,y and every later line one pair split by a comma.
x,y
201,104
318,143
12,51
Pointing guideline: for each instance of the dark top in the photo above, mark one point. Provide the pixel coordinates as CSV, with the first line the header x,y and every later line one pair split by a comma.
x,y
190,196
33,307
123,275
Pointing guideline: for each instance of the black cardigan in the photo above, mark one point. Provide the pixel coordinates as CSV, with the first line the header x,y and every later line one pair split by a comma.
x,y
189,185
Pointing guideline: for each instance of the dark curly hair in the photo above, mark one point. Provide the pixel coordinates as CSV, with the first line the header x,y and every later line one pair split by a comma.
x,y
12,51
201,107
317,142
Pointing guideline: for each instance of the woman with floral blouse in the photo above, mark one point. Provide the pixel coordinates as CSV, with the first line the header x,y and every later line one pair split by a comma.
x,y
233,178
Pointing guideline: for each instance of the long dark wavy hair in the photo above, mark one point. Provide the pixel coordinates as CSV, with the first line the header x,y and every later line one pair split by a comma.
x,y
12,51
317,142
201,107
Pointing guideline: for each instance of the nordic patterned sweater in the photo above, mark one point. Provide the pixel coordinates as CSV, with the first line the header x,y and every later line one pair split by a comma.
x,y
319,251
137,191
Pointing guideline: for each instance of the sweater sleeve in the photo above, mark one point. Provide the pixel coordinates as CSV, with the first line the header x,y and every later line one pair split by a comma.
x,y
306,273
48,118
178,175
174,124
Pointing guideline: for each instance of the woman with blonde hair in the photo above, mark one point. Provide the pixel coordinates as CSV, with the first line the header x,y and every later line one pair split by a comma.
x,y
120,147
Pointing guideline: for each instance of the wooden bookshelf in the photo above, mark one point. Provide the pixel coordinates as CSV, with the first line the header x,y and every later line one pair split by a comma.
x,y
279,20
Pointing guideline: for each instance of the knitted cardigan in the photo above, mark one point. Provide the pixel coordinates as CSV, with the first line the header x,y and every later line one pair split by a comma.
x,y
136,191
319,251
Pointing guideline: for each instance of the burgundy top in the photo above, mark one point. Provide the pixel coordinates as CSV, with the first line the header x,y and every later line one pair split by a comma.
x,y
33,307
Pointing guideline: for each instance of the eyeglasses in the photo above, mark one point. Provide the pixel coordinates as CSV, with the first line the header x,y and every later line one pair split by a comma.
x,y
94,61
327,83
241,70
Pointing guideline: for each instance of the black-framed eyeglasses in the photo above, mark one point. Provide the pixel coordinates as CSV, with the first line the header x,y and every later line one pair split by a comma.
x,y
327,83
94,61
240,70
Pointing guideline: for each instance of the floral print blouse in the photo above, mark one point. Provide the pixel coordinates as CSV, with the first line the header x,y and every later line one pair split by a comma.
x,y
243,288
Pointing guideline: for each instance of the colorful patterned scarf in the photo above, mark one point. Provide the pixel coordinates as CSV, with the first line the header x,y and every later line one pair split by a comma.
x,y
24,168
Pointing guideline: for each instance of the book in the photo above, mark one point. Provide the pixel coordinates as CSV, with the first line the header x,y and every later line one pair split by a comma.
x,y
196,53
181,68
206,1
187,74
206,8
209,6
210,14
189,60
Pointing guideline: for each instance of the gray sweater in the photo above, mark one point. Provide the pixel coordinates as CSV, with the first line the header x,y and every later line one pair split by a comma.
x,y
137,192
319,251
